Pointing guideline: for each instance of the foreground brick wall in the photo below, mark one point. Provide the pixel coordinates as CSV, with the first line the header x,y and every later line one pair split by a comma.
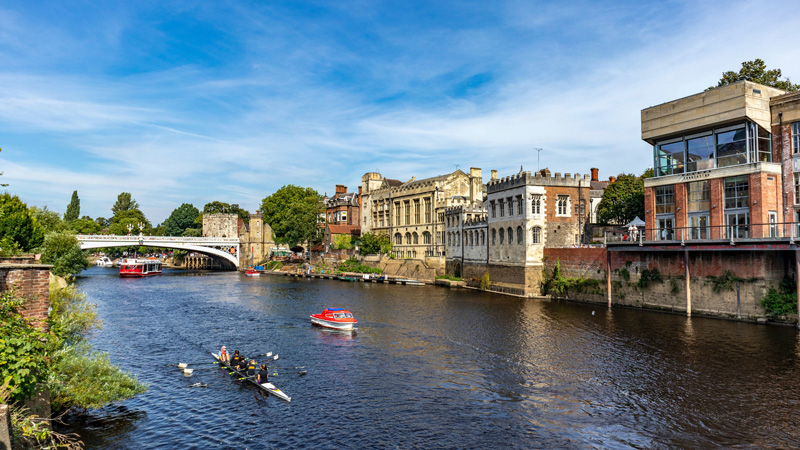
x,y
30,282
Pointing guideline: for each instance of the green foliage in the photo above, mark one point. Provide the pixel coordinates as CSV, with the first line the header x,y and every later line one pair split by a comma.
x,y
225,208
649,276
73,209
486,282
292,213
24,355
624,274
724,282
119,224
63,251
9,247
674,289
352,265
274,265
374,243
179,255
125,202
623,200
71,317
342,241
49,220
448,276
182,217
781,301
192,232
557,285
17,223
84,226
756,71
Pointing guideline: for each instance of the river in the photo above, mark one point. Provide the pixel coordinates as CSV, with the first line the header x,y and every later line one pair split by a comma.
x,y
430,367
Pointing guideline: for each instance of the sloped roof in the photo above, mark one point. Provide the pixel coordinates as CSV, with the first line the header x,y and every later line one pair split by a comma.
x,y
344,229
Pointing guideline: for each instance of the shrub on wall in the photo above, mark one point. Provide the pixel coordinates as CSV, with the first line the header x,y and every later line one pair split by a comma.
x,y
781,301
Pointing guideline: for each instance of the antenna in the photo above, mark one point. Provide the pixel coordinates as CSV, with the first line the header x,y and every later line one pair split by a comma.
x,y
538,150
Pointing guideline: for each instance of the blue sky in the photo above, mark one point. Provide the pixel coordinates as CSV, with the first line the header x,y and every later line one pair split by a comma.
x,y
192,102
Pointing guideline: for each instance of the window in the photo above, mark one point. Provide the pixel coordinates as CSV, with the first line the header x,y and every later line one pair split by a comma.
x,y
510,202
519,235
737,192
510,236
428,210
408,238
797,188
471,239
536,205
536,235
483,237
698,227
494,209
416,211
700,153
731,147
764,145
407,206
562,205
665,199
398,239
426,237
502,208
397,213
796,137
670,158
697,196
415,238
519,204
494,236
502,235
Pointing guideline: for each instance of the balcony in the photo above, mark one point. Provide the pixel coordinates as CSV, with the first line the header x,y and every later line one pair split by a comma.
x,y
754,233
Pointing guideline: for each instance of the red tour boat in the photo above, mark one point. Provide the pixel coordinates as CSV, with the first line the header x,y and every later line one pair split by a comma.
x,y
336,318
252,273
136,268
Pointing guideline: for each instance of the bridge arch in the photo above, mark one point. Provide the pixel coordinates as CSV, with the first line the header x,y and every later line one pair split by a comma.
x,y
225,248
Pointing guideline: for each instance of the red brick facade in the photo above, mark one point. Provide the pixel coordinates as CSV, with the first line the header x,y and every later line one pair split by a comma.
x,y
30,282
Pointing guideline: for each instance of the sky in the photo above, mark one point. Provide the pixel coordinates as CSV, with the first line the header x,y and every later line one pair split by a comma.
x,y
194,102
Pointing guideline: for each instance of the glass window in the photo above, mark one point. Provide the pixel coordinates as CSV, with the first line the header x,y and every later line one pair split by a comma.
x,y
700,153
738,225
536,204
697,196
502,235
510,236
665,230
519,204
494,236
519,234
494,209
665,199
670,158
797,188
561,207
698,226
731,148
737,192
764,145
796,137
536,235
502,208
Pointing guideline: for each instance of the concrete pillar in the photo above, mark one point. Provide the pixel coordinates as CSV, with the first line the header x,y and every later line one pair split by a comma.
x,y
688,283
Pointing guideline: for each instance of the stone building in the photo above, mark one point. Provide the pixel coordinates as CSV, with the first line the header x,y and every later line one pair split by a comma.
x,y
220,225
343,208
413,213
256,240
716,172
522,215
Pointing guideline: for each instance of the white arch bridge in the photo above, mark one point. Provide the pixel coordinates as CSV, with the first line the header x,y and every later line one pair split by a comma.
x,y
225,248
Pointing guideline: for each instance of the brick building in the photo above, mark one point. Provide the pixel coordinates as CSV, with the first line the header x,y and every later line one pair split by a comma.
x,y
717,176
785,117
343,208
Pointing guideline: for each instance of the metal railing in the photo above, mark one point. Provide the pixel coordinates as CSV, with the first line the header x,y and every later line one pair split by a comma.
x,y
136,237
731,233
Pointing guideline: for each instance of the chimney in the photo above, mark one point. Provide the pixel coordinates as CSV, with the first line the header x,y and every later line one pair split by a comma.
x,y
359,197
341,189
595,172
545,172
612,179
494,174
475,172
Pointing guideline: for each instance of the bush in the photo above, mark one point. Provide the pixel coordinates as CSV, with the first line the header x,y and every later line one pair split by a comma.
x,y
448,276
24,349
649,276
274,265
486,283
781,301
352,265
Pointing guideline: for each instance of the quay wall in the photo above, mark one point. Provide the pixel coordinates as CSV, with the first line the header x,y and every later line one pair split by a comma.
x,y
30,282
713,278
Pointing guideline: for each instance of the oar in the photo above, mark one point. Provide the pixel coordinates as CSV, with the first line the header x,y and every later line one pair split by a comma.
x,y
183,365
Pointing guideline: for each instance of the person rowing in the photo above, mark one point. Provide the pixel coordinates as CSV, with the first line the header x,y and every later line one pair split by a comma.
x,y
263,375
223,355
242,364
250,369
234,361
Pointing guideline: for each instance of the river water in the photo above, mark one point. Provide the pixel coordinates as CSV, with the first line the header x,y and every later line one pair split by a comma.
x,y
432,368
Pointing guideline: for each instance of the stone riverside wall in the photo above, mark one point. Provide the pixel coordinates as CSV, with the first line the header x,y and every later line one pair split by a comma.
x,y
758,272
30,282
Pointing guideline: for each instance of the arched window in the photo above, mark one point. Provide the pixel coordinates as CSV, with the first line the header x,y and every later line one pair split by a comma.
x,y
502,235
408,238
464,237
398,239
426,237
536,204
483,237
471,239
494,236
519,235
510,236
536,235
415,237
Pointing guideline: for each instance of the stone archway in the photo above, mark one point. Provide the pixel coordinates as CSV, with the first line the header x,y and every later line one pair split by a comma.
x,y
457,270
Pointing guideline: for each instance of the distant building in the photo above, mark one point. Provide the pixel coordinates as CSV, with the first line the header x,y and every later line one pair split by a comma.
x,y
220,225
343,208
717,175
412,214
785,119
256,240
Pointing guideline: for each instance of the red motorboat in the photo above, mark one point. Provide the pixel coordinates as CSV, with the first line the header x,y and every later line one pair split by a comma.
x,y
136,268
252,273
336,318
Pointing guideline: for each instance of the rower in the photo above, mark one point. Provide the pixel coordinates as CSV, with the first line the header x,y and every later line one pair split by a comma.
x,y
223,355
234,361
242,364
250,369
263,374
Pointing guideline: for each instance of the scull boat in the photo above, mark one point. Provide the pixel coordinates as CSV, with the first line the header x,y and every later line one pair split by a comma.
x,y
269,387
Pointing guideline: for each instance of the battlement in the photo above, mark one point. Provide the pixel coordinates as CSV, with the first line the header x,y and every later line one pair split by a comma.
x,y
542,178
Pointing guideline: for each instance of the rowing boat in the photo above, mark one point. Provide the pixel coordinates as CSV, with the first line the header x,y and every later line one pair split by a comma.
x,y
269,387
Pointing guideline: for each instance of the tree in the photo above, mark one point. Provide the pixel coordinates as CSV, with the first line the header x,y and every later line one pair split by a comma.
x,y
63,251
2,184
124,203
292,213
103,222
73,209
342,241
49,220
756,71
216,207
84,226
182,217
622,201
372,243
23,348
17,224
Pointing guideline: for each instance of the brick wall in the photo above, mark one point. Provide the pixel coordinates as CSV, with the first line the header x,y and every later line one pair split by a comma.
x,y
30,282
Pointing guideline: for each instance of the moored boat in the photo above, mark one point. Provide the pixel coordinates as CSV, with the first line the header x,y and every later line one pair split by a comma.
x,y
252,273
136,268
104,261
336,318
269,387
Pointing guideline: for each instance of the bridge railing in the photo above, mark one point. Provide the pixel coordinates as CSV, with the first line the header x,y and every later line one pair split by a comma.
x,y
134,237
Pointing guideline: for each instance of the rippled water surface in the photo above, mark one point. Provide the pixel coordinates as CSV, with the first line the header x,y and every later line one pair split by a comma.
x,y
430,367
